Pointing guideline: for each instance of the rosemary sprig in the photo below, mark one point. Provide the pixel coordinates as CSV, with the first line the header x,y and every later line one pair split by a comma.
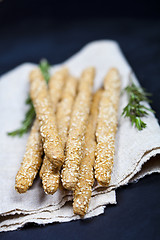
x,y
135,110
45,66
30,114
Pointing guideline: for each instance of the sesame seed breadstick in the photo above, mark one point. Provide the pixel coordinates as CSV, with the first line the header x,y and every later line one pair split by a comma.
x,y
75,141
51,142
31,161
64,108
56,85
106,127
50,177
83,189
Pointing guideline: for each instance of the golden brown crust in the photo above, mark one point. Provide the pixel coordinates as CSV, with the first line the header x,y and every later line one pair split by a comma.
x,y
75,141
83,189
31,161
63,112
51,141
106,127
64,108
56,85
50,177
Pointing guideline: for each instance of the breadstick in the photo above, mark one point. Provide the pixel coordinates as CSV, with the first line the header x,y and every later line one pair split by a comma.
x,y
77,130
106,127
83,189
64,108
51,142
56,85
50,176
31,161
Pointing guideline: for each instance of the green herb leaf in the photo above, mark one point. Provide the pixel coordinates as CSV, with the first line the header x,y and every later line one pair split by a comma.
x,y
135,109
30,114
45,66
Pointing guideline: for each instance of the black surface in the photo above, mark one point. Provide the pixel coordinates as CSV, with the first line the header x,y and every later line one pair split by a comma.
x,y
63,10
28,39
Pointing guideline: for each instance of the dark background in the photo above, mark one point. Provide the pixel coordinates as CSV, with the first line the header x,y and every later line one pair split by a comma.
x,y
30,30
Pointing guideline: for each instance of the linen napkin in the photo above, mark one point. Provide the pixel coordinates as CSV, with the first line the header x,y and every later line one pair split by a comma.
x,y
137,152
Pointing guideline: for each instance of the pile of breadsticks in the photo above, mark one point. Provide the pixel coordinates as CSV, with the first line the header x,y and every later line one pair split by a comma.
x,y
72,140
